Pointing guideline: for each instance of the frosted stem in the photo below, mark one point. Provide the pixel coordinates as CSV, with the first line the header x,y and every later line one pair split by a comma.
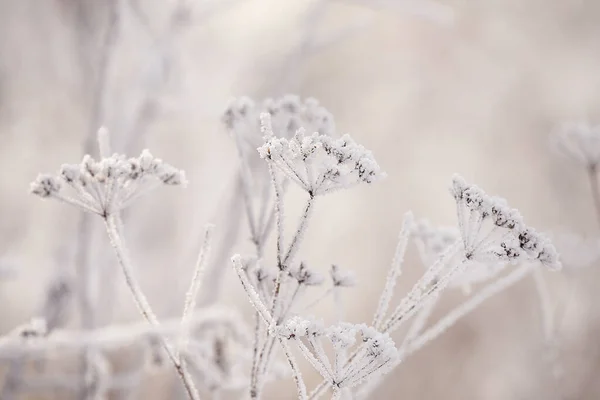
x,y
300,385
468,306
394,272
299,235
192,293
141,301
593,178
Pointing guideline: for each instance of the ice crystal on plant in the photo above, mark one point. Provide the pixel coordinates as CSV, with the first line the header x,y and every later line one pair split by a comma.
x,y
109,185
491,231
374,355
319,163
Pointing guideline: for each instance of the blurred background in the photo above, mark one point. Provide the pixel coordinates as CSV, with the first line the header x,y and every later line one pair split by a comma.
x,y
432,88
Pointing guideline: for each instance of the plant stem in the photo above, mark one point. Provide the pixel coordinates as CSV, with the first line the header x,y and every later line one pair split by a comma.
x,y
468,306
593,178
111,222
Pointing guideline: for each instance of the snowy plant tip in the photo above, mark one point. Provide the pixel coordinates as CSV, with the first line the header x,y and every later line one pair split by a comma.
x,y
109,185
318,163
509,239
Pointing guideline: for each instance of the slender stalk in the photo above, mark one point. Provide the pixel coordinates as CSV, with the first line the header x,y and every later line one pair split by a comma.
x,y
192,294
111,222
468,306
297,239
300,385
394,272
411,303
592,173
265,355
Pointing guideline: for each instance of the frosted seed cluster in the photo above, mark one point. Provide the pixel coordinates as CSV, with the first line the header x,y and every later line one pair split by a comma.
x,y
109,185
492,231
319,163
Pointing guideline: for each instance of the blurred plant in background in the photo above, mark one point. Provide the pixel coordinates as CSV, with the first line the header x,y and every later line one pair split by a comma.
x,y
139,65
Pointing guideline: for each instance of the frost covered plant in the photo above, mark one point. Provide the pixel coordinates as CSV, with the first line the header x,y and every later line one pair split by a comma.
x,y
242,120
110,185
318,163
492,231
376,355
106,187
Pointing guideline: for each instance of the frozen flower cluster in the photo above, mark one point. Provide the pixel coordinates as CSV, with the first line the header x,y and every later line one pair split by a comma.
x,y
319,163
375,354
491,231
580,143
104,187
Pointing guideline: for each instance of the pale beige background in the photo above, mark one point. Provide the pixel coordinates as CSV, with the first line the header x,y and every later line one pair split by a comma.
x,y
475,88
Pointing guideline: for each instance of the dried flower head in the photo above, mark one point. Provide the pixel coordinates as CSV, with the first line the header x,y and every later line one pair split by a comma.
x,y
491,231
319,163
580,143
109,185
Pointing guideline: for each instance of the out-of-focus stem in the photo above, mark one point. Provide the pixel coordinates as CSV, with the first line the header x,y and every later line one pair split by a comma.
x,y
593,178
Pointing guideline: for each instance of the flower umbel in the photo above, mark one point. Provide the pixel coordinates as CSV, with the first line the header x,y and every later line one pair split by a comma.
x,y
491,231
107,186
319,163
375,354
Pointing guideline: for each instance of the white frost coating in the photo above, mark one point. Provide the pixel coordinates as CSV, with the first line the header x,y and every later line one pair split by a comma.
x,y
107,186
491,231
319,163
